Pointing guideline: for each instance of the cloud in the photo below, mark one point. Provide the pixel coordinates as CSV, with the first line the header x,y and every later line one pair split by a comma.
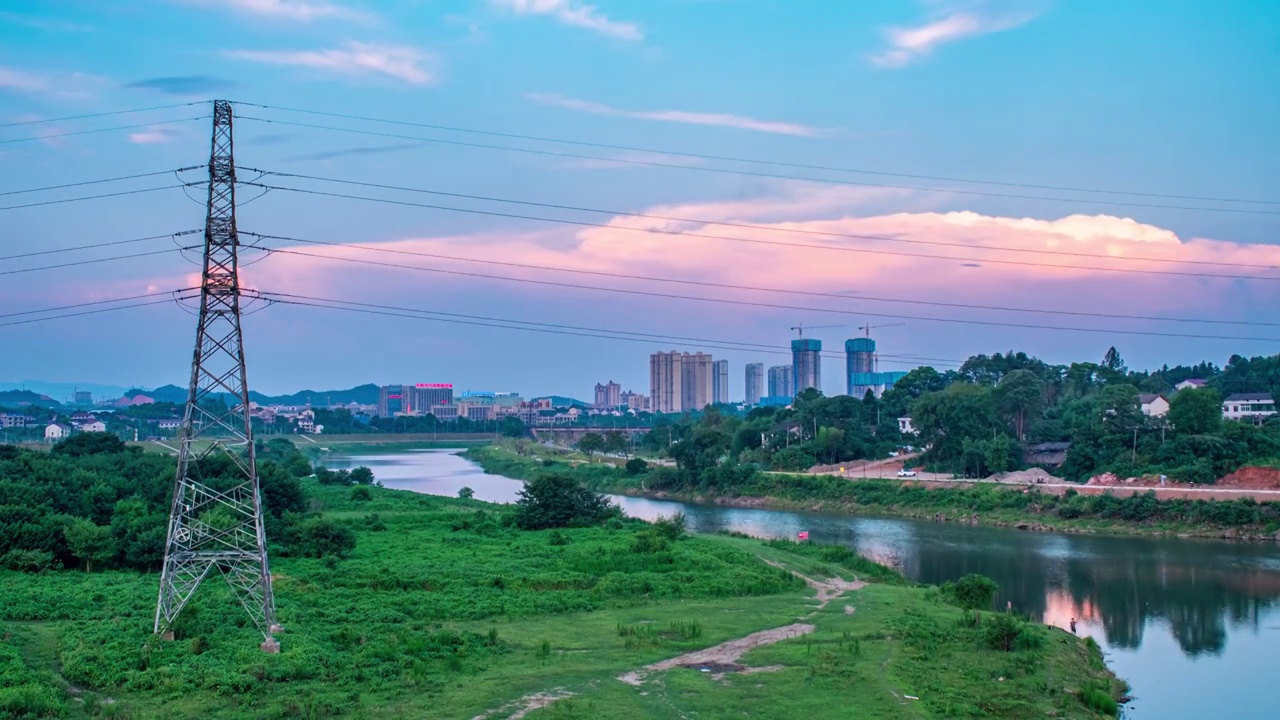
x,y
154,135
679,116
575,14
295,10
332,154
62,86
909,44
182,84
401,62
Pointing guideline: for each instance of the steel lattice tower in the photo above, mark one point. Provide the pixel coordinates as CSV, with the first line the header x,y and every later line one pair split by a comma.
x,y
215,522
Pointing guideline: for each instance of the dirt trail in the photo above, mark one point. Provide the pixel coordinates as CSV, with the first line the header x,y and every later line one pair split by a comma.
x,y
525,705
723,655
828,589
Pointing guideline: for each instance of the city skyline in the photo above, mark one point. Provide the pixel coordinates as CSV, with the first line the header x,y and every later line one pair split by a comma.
x,y
1086,170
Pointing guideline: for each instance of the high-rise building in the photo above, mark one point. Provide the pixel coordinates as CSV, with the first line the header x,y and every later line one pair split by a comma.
x,y
393,400
635,401
806,365
780,379
860,366
755,383
424,396
665,380
83,397
720,381
608,396
696,385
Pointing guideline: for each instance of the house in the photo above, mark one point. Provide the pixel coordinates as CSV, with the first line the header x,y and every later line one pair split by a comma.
x,y
13,421
94,426
1050,454
905,427
1254,407
169,423
55,432
1190,383
1153,405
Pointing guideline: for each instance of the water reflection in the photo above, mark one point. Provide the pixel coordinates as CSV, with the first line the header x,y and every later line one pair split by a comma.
x,y
1210,599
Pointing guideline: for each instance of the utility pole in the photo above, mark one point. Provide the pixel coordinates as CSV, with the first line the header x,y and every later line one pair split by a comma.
x,y
217,423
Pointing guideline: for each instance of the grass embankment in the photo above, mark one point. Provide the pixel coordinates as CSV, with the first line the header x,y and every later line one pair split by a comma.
x,y
444,611
985,504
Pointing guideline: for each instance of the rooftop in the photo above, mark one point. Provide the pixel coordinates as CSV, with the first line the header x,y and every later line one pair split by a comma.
x,y
1249,397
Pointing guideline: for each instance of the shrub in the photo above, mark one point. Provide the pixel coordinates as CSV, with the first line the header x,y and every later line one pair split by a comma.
x,y
28,560
649,541
360,493
362,476
558,501
671,528
466,493
317,537
972,592
635,466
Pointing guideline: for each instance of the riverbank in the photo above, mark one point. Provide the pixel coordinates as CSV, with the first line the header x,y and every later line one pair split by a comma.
x,y
443,610
972,503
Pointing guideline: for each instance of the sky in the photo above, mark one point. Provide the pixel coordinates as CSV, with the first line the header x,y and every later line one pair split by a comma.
x,y
1056,164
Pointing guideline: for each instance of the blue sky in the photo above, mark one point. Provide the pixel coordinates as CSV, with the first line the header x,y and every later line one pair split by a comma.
x,y
1168,98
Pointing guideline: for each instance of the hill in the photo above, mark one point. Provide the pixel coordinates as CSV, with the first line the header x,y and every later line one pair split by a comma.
x,y
364,394
19,398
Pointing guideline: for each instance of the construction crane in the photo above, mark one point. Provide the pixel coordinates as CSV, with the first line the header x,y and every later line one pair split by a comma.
x,y
800,328
869,327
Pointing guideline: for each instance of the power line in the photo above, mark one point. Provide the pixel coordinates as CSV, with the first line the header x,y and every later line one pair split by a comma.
x,y
809,293
726,171
99,245
97,197
550,328
102,130
86,312
68,118
757,241
99,260
858,313
96,182
750,226
755,161
97,302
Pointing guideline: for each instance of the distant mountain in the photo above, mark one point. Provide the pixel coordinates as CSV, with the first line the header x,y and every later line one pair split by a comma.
x,y
64,391
561,401
18,398
362,394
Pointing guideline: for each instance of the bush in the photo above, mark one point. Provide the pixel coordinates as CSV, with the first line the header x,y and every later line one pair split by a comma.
x,y
1006,632
635,466
558,501
362,476
649,541
28,560
317,537
671,528
972,592
360,493
466,493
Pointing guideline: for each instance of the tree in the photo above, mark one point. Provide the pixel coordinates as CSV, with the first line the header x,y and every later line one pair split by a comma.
x,y
318,537
1019,396
591,442
1112,361
513,427
362,476
1197,411
466,493
89,543
974,592
555,500
614,443
89,443
946,419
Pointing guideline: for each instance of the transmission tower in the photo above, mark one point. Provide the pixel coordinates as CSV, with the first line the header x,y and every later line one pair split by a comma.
x,y
215,522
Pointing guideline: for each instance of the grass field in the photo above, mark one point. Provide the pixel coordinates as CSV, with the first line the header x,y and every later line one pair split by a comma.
x,y
445,611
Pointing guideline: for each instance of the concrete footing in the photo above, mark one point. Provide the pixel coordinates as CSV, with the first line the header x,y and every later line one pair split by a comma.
x,y
166,635
270,646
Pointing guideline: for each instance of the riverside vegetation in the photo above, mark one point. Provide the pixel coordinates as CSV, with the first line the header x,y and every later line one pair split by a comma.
x,y
700,479
401,605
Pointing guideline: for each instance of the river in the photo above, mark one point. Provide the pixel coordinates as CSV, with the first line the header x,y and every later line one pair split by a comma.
x,y
1192,625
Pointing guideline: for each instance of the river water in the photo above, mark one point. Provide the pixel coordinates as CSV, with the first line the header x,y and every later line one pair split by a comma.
x,y
1192,625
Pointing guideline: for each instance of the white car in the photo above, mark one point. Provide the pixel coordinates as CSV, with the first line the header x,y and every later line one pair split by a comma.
x,y
906,473
893,454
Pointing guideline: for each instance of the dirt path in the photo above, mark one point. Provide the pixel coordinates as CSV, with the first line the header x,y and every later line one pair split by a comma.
x,y
517,709
723,656
827,590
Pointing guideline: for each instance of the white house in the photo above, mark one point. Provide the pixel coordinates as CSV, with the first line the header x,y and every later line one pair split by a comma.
x,y
905,427
94,426
1254,407
1153,405
1190,383
56,432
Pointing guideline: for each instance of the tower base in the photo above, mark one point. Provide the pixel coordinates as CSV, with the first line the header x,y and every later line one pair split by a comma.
x,y
270,646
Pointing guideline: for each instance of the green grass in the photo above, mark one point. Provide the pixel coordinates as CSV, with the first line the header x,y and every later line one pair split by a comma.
x,y
446,612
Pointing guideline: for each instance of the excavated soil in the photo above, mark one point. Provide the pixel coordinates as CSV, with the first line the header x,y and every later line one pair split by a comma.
x,y
724,655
